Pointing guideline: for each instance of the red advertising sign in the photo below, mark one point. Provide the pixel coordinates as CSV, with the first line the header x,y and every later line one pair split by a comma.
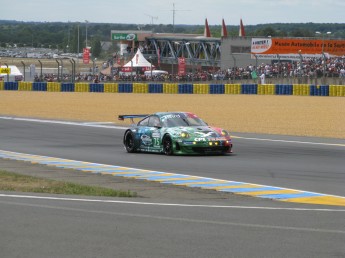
x,y
126,69
86,55
181,66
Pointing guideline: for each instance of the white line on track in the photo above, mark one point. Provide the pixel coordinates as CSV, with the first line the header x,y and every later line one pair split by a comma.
x,y
163,204
86,124
288,141
102,125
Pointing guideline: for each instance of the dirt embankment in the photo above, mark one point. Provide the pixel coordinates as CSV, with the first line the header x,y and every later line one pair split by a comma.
x,y
288,115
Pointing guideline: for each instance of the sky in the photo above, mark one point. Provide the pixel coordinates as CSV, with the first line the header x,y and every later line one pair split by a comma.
x,y
193,12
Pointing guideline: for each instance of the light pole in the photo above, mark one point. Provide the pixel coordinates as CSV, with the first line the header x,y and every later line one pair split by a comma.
x,y
323,38
173,58
86,22
131,70
58,75
94,67
61,71
73,70
8,74
300,66
41,76
323,51
78,49
24,68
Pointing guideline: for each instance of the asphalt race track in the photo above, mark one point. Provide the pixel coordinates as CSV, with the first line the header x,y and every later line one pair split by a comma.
x,y
242,227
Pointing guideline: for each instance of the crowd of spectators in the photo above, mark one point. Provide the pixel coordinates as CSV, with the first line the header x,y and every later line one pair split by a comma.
x,y
306,68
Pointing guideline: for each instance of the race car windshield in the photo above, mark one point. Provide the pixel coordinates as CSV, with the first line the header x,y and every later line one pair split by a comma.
x,y
175,120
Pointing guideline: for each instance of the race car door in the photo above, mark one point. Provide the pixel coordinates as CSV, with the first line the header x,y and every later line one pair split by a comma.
x,y
149,134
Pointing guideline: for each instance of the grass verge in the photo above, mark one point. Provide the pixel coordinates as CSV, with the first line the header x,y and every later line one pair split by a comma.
x,y
15,182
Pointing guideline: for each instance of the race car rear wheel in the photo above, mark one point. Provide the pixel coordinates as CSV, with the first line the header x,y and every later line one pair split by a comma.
x,y
128,141
168,146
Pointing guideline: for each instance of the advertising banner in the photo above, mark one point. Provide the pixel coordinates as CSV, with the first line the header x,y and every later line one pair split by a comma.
x,y
5,70
274,48
124,36
181,66
86,55
135,68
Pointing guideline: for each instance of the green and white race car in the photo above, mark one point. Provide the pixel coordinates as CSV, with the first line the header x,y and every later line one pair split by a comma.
x,y
175,133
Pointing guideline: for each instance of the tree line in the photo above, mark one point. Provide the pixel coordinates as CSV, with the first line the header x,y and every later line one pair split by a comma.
x,y
65,36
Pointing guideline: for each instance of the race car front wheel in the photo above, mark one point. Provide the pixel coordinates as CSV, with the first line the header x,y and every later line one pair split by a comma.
x,y
168,146
129,142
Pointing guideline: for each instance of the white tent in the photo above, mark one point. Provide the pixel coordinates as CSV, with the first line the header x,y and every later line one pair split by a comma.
x,y
14,75
138,60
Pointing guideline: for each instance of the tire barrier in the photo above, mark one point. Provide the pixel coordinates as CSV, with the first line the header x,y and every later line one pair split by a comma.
x,y
81,87
217,88
96,87
175,88
25,86
125,87
283,89
140,88
54,87
170,88
201,89
67,87
11,86
316,90
232,88
111,87
265,89
301,89
185,88
337,90
249,89
39,86
155,88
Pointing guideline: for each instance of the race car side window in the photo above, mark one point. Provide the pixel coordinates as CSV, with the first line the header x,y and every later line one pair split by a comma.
x,y
154,122
144,122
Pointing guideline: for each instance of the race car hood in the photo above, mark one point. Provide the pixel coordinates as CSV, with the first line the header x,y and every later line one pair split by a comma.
x,y
206,132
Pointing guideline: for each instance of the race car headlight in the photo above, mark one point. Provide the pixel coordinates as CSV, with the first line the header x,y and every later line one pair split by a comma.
x,y
184,135
224,133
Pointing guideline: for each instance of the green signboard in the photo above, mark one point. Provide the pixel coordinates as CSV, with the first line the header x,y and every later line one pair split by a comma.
x,y
124,36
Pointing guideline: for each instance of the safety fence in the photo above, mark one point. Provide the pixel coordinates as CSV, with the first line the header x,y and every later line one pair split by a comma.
x,y
177,88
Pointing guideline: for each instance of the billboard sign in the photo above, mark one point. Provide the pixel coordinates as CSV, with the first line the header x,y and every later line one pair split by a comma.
x,y
181,66
274,48
5,70
86,55
124,36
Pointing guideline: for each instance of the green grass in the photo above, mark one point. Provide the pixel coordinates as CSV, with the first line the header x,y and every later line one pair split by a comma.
x,y
21,183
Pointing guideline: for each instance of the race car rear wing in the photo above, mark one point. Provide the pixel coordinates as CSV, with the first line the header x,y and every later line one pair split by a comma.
x,y
123,117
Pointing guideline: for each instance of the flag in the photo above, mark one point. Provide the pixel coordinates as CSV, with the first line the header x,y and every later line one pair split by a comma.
x,y
181,66
207,32
224,32
86,55
242,33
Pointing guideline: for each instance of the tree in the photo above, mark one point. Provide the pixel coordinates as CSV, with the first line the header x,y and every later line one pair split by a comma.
x,y
266,31
96,47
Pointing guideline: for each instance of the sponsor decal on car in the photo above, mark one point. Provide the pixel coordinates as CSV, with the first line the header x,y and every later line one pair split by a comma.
x,y
200,139
208,134
146,140
163,118
156,135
